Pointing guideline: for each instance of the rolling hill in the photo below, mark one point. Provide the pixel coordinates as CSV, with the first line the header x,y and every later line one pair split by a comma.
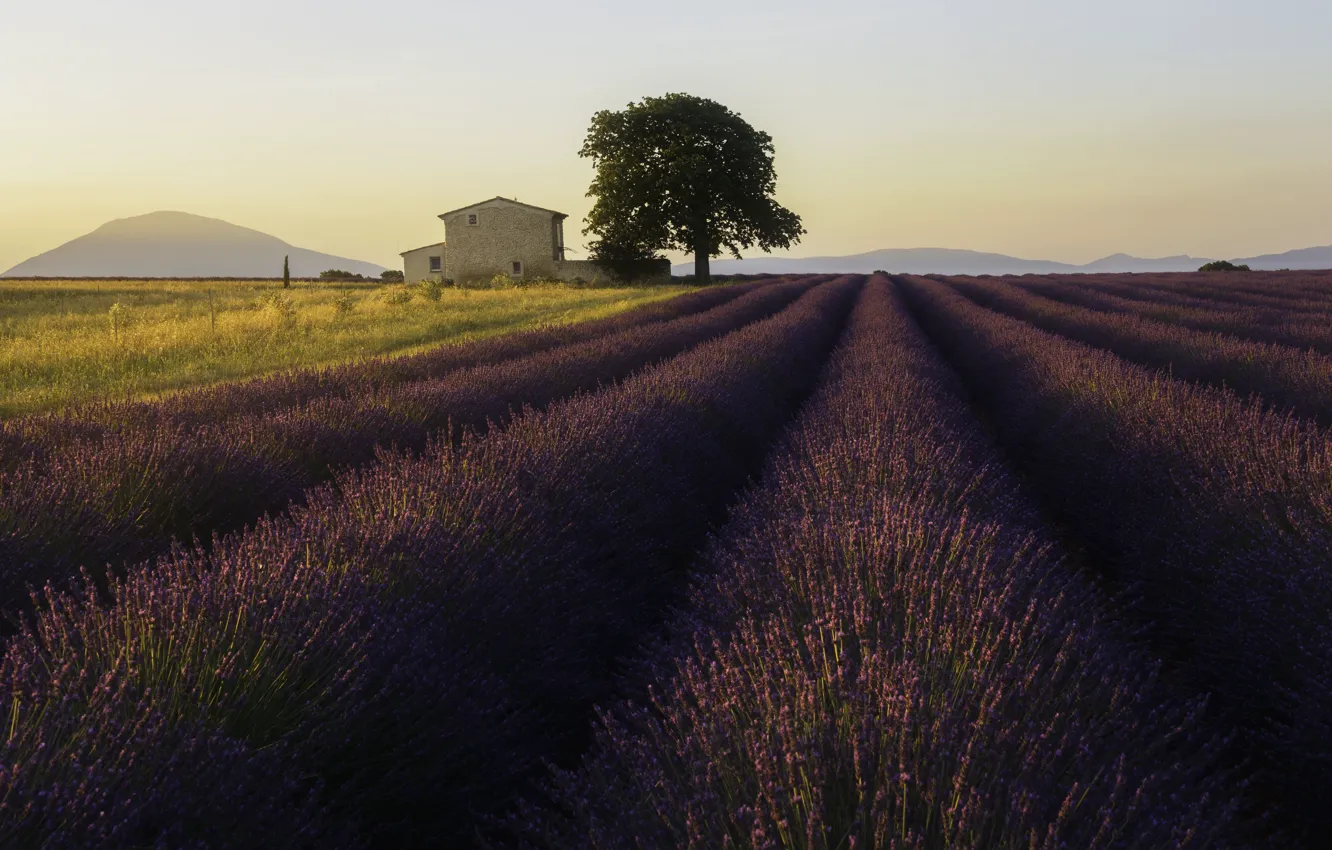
x,y
1303,258
177,244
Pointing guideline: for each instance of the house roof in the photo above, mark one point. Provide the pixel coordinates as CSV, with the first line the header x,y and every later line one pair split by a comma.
x,y
422,248
507,201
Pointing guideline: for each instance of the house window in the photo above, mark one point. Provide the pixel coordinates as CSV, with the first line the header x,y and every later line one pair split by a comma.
x,y
435,264
517,269
471,219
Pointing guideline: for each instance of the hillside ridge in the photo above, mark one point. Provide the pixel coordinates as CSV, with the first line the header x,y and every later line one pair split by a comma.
x,y
169,243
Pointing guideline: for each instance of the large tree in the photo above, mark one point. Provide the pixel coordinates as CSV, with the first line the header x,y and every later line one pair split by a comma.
x,y
682,173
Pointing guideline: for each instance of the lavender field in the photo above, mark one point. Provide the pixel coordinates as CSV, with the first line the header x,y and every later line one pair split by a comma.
x,y
816,562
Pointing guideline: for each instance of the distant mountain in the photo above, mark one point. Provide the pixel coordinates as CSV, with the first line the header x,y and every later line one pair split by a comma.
x,y
1303,258
955,261
1119,263
177,244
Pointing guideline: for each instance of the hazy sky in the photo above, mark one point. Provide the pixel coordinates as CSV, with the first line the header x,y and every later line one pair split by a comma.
x,y
1062,129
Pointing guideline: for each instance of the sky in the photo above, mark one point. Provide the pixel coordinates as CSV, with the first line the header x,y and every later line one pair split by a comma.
x,y
1063,130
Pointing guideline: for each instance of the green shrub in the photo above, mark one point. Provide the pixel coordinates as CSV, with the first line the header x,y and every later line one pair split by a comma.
x,y
339,274
431,290
1223,266
397,296
392,276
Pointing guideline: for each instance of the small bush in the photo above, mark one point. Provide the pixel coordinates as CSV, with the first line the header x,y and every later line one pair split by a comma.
x,y
392,276
344,304
397,297
431,290
1223,266
503,281
282,308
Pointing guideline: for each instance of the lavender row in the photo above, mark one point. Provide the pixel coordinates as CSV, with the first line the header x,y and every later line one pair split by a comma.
x,y
1212,512
386,664
1279,294
297,387
52,436
1130,293
1287,325
124,497
884,649
1289,378
1282,290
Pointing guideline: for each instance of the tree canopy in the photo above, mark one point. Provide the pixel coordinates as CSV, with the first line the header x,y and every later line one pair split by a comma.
x,y
683,173
1222,266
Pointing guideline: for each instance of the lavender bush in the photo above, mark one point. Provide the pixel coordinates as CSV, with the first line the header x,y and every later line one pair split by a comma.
x,y
1289,378
1281,321
884,649
414,639
120,497
1213,512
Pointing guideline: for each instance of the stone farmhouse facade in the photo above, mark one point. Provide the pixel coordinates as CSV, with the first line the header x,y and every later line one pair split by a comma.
x,y
504,236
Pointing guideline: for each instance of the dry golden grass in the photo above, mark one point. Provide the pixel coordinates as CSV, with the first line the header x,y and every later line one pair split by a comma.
x,y
63,342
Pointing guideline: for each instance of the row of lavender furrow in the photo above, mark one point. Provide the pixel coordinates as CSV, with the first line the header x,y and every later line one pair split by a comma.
x,y
1288,378
1292,290
52,435
1270,302
1274,325
126,496
1212,511
389,662
1130,295
1295,286
296,387
883,649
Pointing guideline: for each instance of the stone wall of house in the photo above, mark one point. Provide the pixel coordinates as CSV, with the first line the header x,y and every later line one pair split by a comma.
x,y
589,272
517,240
416,263
503,235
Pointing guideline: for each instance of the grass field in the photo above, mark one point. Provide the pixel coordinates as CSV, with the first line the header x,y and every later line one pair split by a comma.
x,y
63,342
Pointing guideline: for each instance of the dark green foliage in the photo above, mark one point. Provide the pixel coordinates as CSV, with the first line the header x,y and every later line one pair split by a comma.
x,y
685,173
1223,266
286,272
626,262
339,274
392,276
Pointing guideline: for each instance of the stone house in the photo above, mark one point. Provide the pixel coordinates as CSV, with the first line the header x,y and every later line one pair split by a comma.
x,y
503,235
424,263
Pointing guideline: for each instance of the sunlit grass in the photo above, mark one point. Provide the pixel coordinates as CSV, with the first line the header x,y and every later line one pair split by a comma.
x,y
63,342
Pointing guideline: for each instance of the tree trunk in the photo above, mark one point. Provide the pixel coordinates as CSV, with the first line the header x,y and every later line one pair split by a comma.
x,y
702,274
